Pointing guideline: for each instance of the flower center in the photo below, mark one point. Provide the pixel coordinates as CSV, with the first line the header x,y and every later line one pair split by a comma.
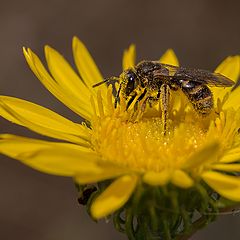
x,y
141,144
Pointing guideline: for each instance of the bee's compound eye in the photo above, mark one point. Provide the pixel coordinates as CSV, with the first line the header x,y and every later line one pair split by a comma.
x,y
130,76
131,81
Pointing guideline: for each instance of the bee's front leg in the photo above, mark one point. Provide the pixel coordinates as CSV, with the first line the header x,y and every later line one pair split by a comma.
x,y
131,99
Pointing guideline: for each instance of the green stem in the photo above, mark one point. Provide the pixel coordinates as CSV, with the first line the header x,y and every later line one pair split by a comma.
x,y
166,230
129,224
229,209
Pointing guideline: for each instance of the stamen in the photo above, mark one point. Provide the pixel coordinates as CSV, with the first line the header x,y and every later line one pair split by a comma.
x,y
110,99
100,104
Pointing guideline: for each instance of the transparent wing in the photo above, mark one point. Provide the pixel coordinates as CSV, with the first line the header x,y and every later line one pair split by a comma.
x,y
198,75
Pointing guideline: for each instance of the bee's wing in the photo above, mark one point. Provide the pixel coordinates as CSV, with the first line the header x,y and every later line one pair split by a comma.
x,y
217,80
211,79
200,76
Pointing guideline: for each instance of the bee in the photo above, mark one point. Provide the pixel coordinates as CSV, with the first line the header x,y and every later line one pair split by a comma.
x,y
153,81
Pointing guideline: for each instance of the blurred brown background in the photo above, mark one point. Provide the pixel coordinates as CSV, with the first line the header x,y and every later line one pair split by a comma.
x,y
35,206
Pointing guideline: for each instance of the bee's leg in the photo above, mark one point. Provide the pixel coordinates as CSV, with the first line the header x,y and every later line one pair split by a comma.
x,y
132,98
139,99
164,102
158,95
117,97
130,101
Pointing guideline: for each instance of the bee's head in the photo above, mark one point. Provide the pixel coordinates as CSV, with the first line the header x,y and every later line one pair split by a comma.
x,y
129,82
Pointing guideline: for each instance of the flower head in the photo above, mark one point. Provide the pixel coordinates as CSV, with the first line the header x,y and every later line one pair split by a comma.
x,y
124,148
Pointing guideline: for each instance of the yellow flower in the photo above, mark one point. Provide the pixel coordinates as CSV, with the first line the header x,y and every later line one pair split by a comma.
x,y
124,145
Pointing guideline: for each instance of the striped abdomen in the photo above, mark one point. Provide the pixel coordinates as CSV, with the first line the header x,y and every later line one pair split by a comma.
x,y
199,95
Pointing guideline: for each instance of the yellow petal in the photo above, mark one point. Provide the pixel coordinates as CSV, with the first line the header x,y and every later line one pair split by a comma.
x,y
65,76
169,57
114,197
225,185
129,57
181,179
86,66
103,172
62,159
230,68
227,167
66,97
157,178
206,154
233,99
42,120
231,156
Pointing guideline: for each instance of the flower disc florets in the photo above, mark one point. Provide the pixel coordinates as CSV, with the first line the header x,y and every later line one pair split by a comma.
x,y
135,140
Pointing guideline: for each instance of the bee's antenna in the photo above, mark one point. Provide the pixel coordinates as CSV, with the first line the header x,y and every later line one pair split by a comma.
x,y
105,80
